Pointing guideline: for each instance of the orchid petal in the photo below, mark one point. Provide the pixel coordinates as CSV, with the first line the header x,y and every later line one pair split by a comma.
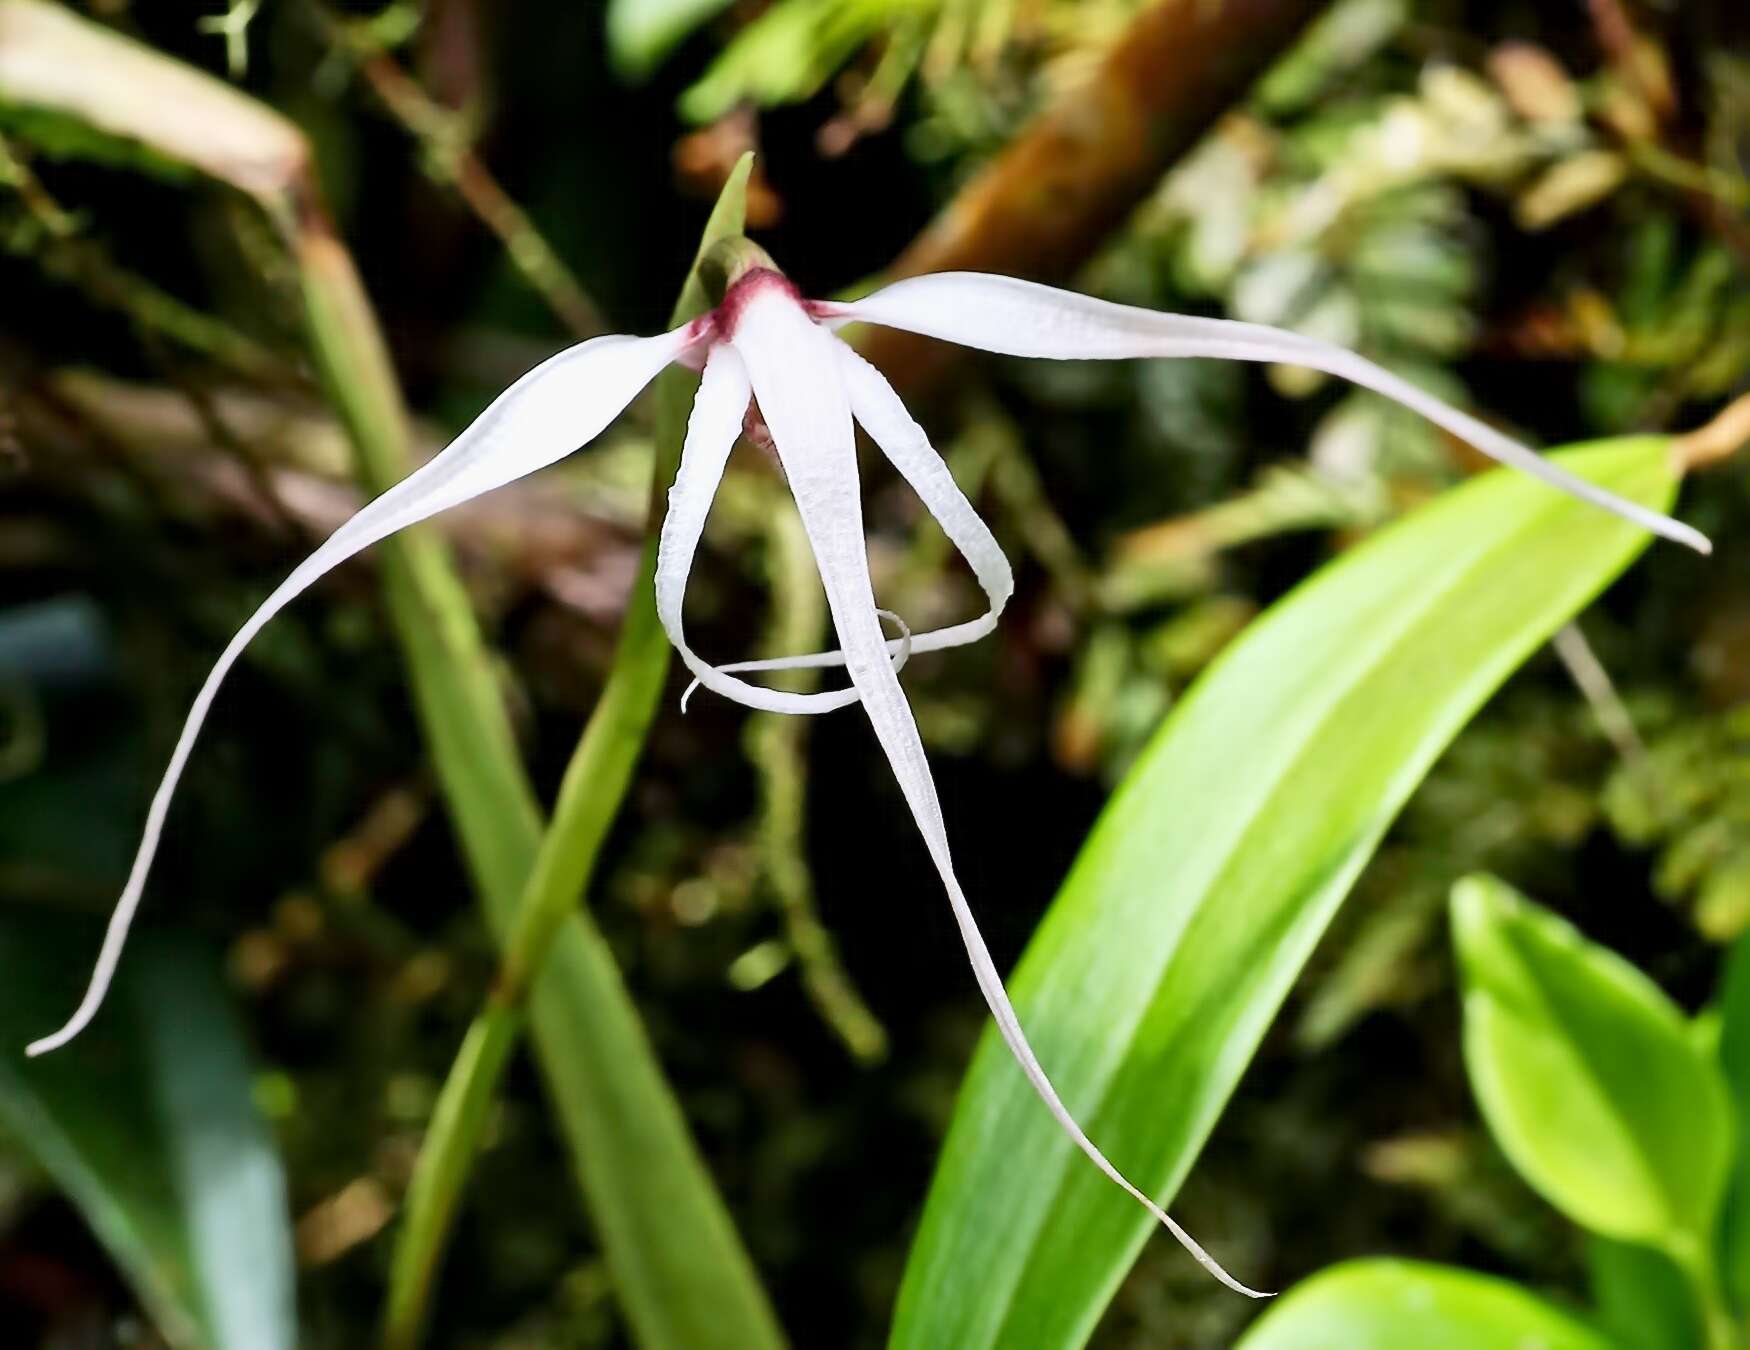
x,y
1022,318
881,413
563,403
799,382
898,648
712,428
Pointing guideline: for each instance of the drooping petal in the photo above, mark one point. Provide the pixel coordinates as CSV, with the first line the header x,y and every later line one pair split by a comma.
x,y
561,404
898,648
712,428
799,382
1022,318
883,415
713,425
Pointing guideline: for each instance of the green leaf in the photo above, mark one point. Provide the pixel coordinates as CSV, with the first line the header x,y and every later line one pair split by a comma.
x,y
147,1124
1392,1305
679,1268
1734,1059
642,32
62,137
1588,1076
1643,1299
790,52
1213,871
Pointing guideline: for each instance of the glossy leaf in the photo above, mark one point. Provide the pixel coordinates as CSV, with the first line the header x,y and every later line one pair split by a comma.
x,y
1643,1299
1213,871
1734,1059
147,1124
1391,1305
1588,1076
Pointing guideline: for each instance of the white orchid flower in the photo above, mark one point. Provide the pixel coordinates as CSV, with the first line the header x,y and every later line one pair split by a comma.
x,y
770,357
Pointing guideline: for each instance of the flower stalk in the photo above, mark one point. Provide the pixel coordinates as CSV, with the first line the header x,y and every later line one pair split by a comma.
x,y
590,796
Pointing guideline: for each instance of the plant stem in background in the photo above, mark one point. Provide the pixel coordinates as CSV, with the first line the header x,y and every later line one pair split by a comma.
x,y
449,159
59,248
681,1273
775,746
699,1305
1599,691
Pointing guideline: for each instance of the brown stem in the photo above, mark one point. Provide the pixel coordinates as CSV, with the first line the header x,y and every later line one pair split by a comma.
x,y
1718,440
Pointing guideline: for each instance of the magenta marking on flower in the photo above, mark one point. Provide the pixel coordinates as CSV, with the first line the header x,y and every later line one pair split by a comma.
x,y
752,284
766,348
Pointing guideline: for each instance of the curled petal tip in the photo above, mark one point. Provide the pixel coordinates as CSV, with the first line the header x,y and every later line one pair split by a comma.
x,y
1679,533
1213,1266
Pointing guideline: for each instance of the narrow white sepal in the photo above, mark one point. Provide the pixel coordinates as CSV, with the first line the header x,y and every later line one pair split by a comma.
x,y
881,413
1022,318
712,428
899,649
561,404
799,382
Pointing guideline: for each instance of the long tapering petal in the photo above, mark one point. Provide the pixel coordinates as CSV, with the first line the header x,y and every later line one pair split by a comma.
x,y
800,386
712,428
561,404
1022,318
881,413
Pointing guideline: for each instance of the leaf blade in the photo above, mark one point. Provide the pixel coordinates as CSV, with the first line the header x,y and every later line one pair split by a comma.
x,y
1218,863
1588,1075
148,1126
1385,1305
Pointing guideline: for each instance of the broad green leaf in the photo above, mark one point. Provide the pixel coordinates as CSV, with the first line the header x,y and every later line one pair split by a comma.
x,y
1211,874
1588,1076
147,1124
1396,1305
1643,1299
1734,1059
